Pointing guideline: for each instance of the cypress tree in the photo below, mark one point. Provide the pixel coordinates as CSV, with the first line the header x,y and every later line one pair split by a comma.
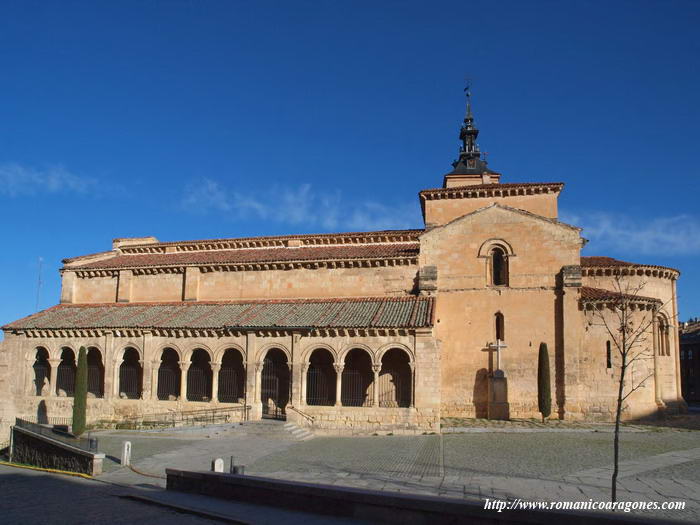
x,y
80,394
544,394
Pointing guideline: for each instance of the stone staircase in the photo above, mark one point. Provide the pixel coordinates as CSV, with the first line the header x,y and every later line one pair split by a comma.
x,y
276,428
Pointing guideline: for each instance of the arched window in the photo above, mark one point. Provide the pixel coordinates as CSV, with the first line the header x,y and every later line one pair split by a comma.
x,y
96,373
664,332
232,377
169,376
320,379
395,379
274,384
499,266
357,380
608,355
42,372
130,375
65,374
199,377
500,327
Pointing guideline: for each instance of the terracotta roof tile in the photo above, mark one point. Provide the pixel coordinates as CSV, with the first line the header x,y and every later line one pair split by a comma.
x,y
378,233
367,312
259,255
598,294
609,262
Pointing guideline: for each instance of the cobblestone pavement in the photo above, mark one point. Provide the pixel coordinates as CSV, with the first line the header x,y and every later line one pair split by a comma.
x,y
545,466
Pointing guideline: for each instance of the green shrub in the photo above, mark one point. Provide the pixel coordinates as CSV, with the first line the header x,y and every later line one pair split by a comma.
x,y
544,389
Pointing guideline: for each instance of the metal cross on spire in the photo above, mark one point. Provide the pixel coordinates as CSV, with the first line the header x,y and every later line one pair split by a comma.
x,y
468,93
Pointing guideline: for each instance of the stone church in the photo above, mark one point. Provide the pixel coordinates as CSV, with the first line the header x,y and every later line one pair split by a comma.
x,y
351,332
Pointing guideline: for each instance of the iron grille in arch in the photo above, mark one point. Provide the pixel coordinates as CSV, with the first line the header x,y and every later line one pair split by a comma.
x,y
130,381
65,378
96,380
274,388
231,382
199,383
41,376
168,383
357,388
320,385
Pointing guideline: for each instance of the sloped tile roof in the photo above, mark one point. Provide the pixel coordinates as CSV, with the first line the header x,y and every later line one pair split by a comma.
x,y
362,235
259,255
598,294
609,262
370,312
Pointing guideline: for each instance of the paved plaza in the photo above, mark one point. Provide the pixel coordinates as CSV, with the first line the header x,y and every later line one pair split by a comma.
x,y
556,464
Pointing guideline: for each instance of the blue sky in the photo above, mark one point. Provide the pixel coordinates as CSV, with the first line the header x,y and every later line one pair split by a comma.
x,y
202,119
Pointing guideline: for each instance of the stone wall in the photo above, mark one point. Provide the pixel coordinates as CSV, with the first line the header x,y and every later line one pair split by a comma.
x,y
29,448
367,420
442,211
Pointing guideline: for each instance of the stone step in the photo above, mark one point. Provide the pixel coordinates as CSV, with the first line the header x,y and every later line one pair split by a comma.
x,y
271,427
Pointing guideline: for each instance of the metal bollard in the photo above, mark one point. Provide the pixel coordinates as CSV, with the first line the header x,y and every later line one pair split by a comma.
x,y
231,465
217,465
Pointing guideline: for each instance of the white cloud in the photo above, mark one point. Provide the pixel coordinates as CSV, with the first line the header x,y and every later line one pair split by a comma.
x,y
300,206
673,235
16,180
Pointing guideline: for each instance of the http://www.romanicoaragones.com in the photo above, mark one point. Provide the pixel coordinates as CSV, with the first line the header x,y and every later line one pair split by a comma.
x,y
499,505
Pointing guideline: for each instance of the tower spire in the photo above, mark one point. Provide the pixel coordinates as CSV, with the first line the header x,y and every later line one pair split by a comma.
x,y
470,167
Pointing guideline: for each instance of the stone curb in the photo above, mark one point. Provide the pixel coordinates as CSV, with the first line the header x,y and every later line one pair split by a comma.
x,y
184,509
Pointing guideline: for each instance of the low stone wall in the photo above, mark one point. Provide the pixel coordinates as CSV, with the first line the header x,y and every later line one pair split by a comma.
x,y
366,420
36,408
372,506
34,449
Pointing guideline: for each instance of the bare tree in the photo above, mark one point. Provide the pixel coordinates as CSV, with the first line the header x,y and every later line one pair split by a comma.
x,y
628,318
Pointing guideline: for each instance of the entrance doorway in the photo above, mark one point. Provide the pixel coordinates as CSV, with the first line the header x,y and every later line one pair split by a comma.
x,y
274,385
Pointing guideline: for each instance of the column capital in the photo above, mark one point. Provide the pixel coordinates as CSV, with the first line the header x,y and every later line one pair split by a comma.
x,y
259,366
338,368
215,367
185,364
376,368
412,365
54,362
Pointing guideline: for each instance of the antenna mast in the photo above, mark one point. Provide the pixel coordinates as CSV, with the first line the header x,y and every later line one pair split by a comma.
x,y
38,285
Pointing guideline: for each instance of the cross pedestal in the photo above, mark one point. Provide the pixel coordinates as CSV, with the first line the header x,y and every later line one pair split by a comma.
x,y
498,386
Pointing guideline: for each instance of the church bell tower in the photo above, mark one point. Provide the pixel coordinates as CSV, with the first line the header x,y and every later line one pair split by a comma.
x,y
470,168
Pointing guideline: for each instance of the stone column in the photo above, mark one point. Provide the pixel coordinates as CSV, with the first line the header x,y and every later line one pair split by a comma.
x,y
155,365
28,372
413,384
657,374
109,364
338,383
375,385
258,379
53,375
144,390
252,394
146,366
302,384
184,367
215,367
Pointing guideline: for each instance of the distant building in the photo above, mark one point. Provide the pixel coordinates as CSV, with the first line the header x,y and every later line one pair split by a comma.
x,y
690,359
